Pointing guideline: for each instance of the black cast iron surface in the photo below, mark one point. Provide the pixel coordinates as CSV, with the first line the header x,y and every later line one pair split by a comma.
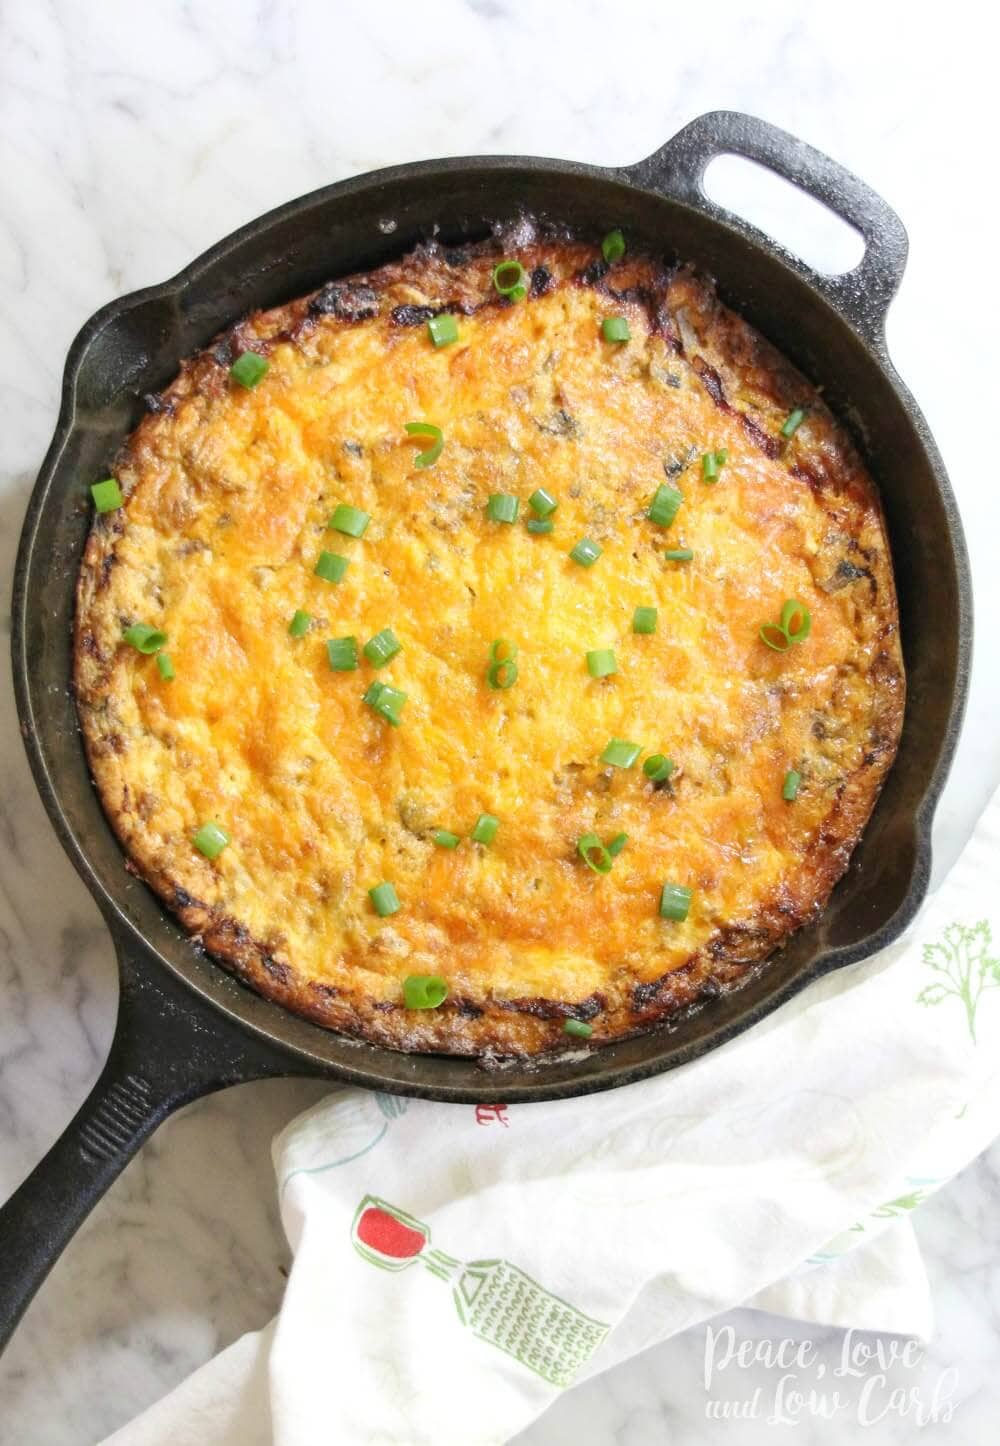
x,y
185,1027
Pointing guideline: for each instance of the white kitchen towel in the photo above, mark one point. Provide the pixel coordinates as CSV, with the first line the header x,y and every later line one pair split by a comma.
x,y
455,1267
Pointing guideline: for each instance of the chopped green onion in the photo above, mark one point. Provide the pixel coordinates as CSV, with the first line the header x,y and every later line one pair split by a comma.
x,y
775,637
380,649
577,1027
343,654
248,369
663,508
386,701
793,422
613,247
385,900
427,432
675,901
350,520
166,666
594,854
330,566
424,991
445,839
790,787
107,495
620,753
210,840
586,552
711,463
502,669
299,625
543,502
658,767
508,278
615,328
644,620
617,844
794,627
792,612
443,330
485,830
540,524
144,638
679,554
502,507
601,662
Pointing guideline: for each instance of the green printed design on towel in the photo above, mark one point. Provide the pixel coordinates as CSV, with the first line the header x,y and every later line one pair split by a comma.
x,y
498,1302
965,967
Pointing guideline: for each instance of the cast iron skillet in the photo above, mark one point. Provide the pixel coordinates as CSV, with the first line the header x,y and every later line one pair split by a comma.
x,y
185,1027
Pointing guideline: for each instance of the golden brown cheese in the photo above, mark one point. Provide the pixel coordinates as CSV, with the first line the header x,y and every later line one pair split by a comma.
x,y
228,495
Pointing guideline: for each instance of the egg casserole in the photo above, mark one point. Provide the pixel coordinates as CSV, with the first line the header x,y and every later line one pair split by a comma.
x,y
491,652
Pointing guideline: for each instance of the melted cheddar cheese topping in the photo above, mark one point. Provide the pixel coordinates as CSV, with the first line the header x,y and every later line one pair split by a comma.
x,y
228,495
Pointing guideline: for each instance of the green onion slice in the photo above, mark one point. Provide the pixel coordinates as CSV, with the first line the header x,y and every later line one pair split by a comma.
x,y
165,663
330,566
617,844
601,662
543,502
144,638
210,840
107,495
658,767
594,854
796,621
577,1027
679,554
663,508
386,701
540,524
350,520
793,422
775,637
711,463
382,648
790,787
299,625
426,432
443,330
615,328
644,620
675,901
502,507
385,900
613,247
586,552
485,830
424,991
342,654
502,669
508,278
445,839
620,753
248,369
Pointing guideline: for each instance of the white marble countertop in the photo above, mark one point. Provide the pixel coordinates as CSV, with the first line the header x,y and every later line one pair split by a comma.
x,y
131,137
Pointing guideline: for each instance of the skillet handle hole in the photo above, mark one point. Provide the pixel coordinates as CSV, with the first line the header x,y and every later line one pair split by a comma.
x,y
799,222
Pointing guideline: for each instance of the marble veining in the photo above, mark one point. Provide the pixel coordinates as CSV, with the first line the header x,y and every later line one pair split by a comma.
x,y
131,137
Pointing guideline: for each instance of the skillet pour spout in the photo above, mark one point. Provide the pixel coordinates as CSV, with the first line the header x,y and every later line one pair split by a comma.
x,y
185,1027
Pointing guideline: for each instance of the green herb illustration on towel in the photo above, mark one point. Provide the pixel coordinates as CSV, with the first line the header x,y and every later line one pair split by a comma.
x,y
967,970
500,1303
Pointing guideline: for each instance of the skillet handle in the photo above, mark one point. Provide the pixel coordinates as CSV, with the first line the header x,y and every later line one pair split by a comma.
x,y
167,1050
862,295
